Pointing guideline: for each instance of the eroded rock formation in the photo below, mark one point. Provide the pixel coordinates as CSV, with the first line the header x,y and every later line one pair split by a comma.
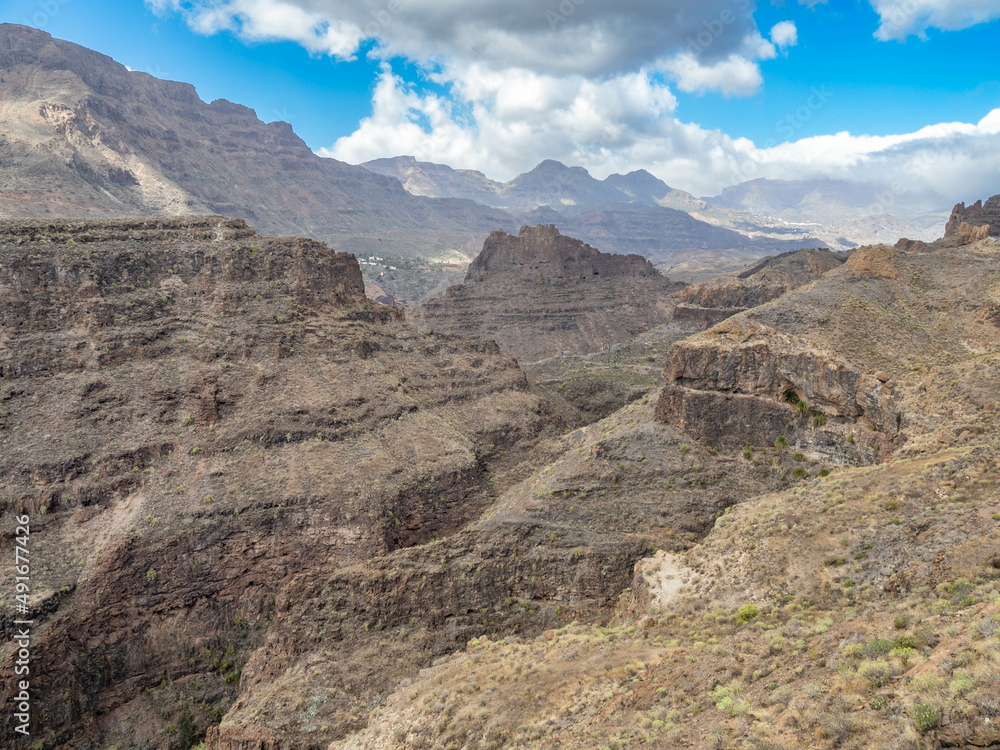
x,y
194,417
975,215
540,293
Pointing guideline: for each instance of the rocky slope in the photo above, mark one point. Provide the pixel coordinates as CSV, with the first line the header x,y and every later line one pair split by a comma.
x,y
841,352
540,293
197,419
80,135
854,609
593,385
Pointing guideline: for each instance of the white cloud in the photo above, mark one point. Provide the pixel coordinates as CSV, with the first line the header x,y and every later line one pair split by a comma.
x,y
588,37
584,82
733,76
629,123
901,18
784,34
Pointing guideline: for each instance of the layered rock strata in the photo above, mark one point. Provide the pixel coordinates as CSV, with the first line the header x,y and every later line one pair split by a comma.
x,y
540,293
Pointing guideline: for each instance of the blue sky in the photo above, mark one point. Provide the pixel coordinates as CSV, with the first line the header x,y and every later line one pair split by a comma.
x,y
515,83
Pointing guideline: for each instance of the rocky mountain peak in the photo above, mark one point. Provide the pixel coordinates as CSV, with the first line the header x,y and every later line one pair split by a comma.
x,y
975,215
543,252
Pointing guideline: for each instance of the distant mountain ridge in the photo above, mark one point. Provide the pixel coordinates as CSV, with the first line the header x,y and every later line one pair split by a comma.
x,y
807,213
82,136
551,183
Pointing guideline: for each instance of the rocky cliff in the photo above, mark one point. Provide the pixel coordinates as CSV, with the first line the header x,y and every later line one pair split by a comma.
x,y
975,215
811,365
540,293
541,252
84,136
194,417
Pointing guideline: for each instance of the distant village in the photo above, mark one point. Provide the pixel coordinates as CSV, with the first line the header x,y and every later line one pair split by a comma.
x,y
374,260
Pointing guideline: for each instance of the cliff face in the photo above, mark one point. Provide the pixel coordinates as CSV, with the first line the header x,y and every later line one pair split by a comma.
x,y
541,293
837,353
707,303
84,136
541,252
975,215
194,417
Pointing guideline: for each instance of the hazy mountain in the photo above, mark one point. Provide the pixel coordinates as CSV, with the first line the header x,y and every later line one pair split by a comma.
x,y
657,232
841,211
819,198
81,135
551,183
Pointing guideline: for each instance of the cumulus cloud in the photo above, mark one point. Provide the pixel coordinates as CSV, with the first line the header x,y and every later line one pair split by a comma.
x,y
588,37
901,18
588,82
784,34
630,123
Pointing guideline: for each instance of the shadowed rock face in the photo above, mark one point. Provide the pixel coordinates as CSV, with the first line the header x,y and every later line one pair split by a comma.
x,y
836,353
975,215
540,293
194,416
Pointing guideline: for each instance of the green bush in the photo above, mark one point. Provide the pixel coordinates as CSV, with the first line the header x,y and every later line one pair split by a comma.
x,y
781,442
819,420
878,647
746,613
926,716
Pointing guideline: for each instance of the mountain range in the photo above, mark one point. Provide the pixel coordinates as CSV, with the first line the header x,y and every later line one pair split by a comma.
x,y
83,136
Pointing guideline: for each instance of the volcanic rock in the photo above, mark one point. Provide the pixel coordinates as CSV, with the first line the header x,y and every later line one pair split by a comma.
x,y
84,136
194,417
540,293
975,215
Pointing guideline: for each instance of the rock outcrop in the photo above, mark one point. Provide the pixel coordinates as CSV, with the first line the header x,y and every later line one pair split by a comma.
x,y
194,417
832,354
542,253
540,293
975,215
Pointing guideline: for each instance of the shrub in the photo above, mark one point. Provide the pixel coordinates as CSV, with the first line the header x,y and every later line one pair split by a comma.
x,y
781,442
877,673
746,613
926,715
802,407
819,420
800,472
798,456
683,448
748,452
791,396
823,473
878,647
